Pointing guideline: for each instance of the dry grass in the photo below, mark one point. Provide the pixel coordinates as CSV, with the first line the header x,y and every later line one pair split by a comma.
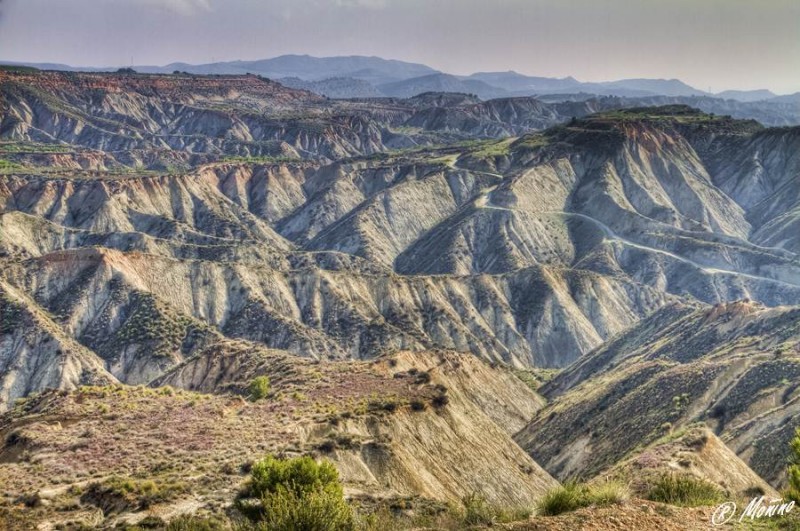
x,y
131,436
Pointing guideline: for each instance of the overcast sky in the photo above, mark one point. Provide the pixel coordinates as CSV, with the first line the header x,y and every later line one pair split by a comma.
x,y
716,44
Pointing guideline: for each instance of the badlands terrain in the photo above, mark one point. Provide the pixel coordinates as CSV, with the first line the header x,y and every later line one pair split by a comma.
x,y
451,297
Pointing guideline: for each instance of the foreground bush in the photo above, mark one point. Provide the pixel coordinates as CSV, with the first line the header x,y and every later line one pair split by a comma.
x,y
561,500
684,491
316,510
793,492
573,496
608,493
259,388
296,494
196,523
477,511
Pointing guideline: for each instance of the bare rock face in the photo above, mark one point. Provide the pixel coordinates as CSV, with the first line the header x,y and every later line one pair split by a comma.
x,y
588,228
36,354
731,366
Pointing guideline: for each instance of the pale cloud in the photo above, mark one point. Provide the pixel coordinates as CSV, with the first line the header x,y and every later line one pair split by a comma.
x,y
290,9
181,7
364,4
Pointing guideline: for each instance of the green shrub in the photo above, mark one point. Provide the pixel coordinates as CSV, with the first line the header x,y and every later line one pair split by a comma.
x,y
296,494
259,388
609,493
381,519
566,498
315,510
440,400
183,523
794,469
684,491
572,496
196,523
149,522
301,474
477,511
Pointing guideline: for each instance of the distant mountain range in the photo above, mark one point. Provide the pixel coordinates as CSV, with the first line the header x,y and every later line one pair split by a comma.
x,y
361,76
441,83
747,95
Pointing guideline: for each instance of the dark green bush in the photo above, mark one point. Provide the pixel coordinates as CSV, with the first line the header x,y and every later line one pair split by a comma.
x,y
566,498
418,405
296,494
259,388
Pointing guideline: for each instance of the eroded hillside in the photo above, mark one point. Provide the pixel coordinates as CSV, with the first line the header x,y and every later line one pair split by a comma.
x,y
733,366
166,240
430,424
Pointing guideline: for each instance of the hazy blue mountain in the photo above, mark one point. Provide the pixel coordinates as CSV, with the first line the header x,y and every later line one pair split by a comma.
x,y
522,85
788,98
362,76
664,87
516,82
336,87
57,66
746,95
440,83
372,69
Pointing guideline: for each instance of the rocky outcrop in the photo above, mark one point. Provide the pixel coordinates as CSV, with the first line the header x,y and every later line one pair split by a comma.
x,y
731,366
317,312
587,229
36,353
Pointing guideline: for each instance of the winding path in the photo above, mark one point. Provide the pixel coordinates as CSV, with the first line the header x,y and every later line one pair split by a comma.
x,y
485,201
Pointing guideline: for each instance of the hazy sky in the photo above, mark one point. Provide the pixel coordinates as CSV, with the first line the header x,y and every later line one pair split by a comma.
x,y
716,44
